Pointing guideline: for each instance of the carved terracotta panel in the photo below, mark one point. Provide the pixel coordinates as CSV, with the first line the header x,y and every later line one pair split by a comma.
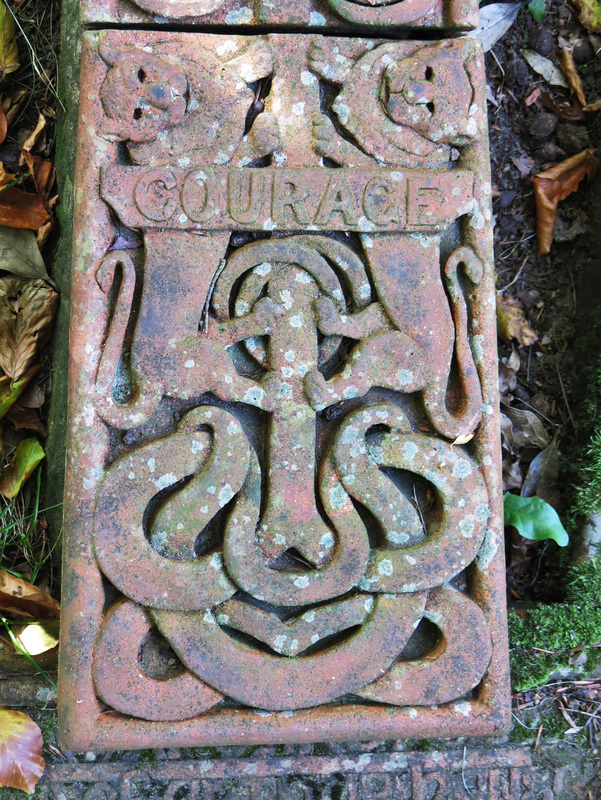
x,y
283,514
319,14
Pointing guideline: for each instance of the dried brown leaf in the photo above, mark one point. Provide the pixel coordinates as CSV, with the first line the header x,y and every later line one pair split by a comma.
x,y
527,429
512,322
25,600
572,112
36,141
570,70
543,476
6,177
26,315
26,419
20,209
20,254
533,96
554,185
21,761
512,475
13,103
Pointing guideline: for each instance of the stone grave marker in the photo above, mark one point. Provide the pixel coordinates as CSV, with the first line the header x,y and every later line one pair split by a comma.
x,y
283,508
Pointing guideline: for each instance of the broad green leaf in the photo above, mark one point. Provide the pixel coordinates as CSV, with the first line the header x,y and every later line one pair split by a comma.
x,y
534,519
27,456
21,761
537,8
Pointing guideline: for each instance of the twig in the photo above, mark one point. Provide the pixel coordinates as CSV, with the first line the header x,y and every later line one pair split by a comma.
x,y
517,275
565,397
36,63
463,773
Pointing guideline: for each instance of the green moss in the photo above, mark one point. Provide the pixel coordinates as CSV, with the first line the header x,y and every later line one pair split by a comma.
x,y
148,757
542,641
249,750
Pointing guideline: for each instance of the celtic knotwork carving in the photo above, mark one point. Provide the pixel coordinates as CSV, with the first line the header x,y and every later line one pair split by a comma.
x,y
381,12
282,487
292,549
121,635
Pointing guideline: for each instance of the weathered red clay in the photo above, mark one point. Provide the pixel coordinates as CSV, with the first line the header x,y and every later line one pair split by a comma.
x,y
450,15
283,445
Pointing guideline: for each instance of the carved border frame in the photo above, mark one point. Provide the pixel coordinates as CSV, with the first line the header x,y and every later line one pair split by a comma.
x,y
83,724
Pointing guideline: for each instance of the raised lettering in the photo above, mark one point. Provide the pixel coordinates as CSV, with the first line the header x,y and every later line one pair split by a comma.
x,y
288,194
199,196
381,202
246,195
424,201
153,195
337,199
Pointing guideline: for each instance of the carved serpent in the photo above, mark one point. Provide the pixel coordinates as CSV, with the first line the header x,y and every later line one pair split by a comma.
x,y
452,540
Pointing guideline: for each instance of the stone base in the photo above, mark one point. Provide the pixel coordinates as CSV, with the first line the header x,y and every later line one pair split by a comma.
x,y
373,771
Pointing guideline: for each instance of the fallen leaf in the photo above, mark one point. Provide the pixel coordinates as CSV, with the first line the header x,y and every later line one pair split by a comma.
x,y
554,185
36,141
512,323
13,103
43,174
495,20
21,761
23,599
464,438
590,14
19,253
571,111
37,637
533,96
545,68
26,314
534,519
9,55
512,474
524,164
3,125
10,391
537,8
20,209
25,419
570,70
527,429
543,475
508,374
6,177
27,456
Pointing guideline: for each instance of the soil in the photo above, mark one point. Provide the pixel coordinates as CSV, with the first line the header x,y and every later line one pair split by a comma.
x,y
560,291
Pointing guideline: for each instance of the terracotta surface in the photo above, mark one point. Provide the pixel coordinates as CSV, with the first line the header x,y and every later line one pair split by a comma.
x,y
283,449
318,14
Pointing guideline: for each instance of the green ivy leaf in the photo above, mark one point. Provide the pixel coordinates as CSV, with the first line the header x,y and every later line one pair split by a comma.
x,y
537,8
534,518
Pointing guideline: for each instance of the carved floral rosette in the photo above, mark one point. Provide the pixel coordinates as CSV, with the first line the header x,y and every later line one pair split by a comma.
x,y
283,505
